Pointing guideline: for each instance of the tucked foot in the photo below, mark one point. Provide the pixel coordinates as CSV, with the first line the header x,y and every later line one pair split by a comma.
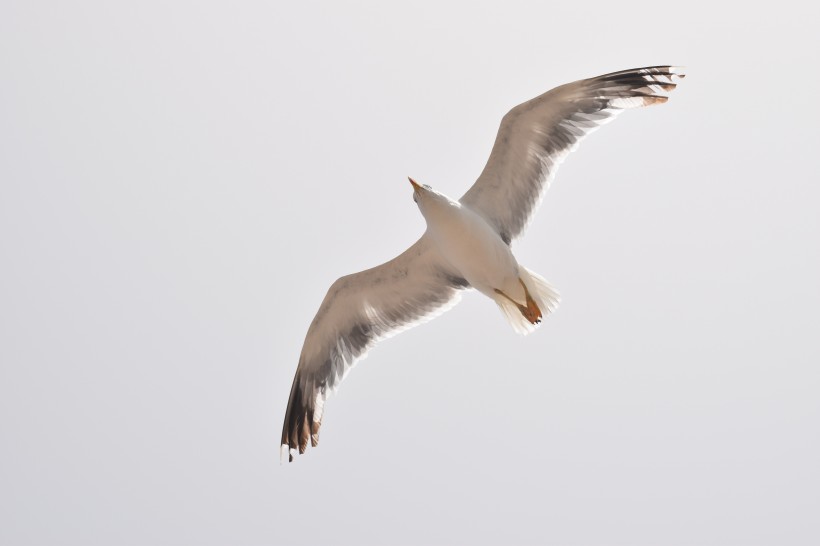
x,y
533,312
530,311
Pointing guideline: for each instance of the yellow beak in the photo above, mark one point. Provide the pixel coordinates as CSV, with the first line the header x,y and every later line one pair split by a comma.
x,y
415,185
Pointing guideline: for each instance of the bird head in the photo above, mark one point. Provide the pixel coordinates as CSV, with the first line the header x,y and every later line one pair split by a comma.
x,y
428,199
419,190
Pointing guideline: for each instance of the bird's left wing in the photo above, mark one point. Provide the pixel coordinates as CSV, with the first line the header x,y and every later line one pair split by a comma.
x,y
359,310
535,137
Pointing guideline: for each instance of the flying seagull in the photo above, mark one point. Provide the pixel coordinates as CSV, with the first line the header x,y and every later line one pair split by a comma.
x,y
466,244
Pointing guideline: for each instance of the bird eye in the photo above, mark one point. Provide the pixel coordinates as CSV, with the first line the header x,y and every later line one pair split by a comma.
x,y
426,187
415,198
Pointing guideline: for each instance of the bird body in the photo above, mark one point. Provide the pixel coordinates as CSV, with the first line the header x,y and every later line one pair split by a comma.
x,y
470,245
466,244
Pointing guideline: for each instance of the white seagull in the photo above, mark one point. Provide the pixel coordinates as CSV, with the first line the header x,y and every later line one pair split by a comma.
x,y
466,244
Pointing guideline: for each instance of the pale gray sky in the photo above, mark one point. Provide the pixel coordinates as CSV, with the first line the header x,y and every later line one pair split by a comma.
x,y
180,182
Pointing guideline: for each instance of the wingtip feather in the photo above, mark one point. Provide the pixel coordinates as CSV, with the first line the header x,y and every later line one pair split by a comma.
x,y
284,454
649,101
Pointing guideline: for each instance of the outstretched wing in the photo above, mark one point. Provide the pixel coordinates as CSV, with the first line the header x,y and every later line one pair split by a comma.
x,y
359,310
536,136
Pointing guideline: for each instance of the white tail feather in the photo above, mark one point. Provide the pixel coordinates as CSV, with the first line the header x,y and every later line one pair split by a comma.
x,y
514,317
544,294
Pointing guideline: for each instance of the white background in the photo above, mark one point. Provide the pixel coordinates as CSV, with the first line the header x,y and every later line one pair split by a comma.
x,y
181,182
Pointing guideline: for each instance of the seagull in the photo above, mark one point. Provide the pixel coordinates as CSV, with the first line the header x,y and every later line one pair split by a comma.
x,y
466,243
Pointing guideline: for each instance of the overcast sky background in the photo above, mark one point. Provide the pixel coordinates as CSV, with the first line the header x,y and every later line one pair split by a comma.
x,y
180,183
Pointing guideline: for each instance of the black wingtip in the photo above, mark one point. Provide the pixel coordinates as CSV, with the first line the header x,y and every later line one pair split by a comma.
x,y
302,422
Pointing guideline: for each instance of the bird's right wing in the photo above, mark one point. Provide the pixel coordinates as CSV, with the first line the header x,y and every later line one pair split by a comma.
x,y
535,137
359,310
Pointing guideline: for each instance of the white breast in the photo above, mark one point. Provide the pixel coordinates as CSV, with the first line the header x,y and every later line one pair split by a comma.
x,y
472,247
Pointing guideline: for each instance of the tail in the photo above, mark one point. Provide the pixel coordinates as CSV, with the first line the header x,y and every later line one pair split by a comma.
x,y
543,300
